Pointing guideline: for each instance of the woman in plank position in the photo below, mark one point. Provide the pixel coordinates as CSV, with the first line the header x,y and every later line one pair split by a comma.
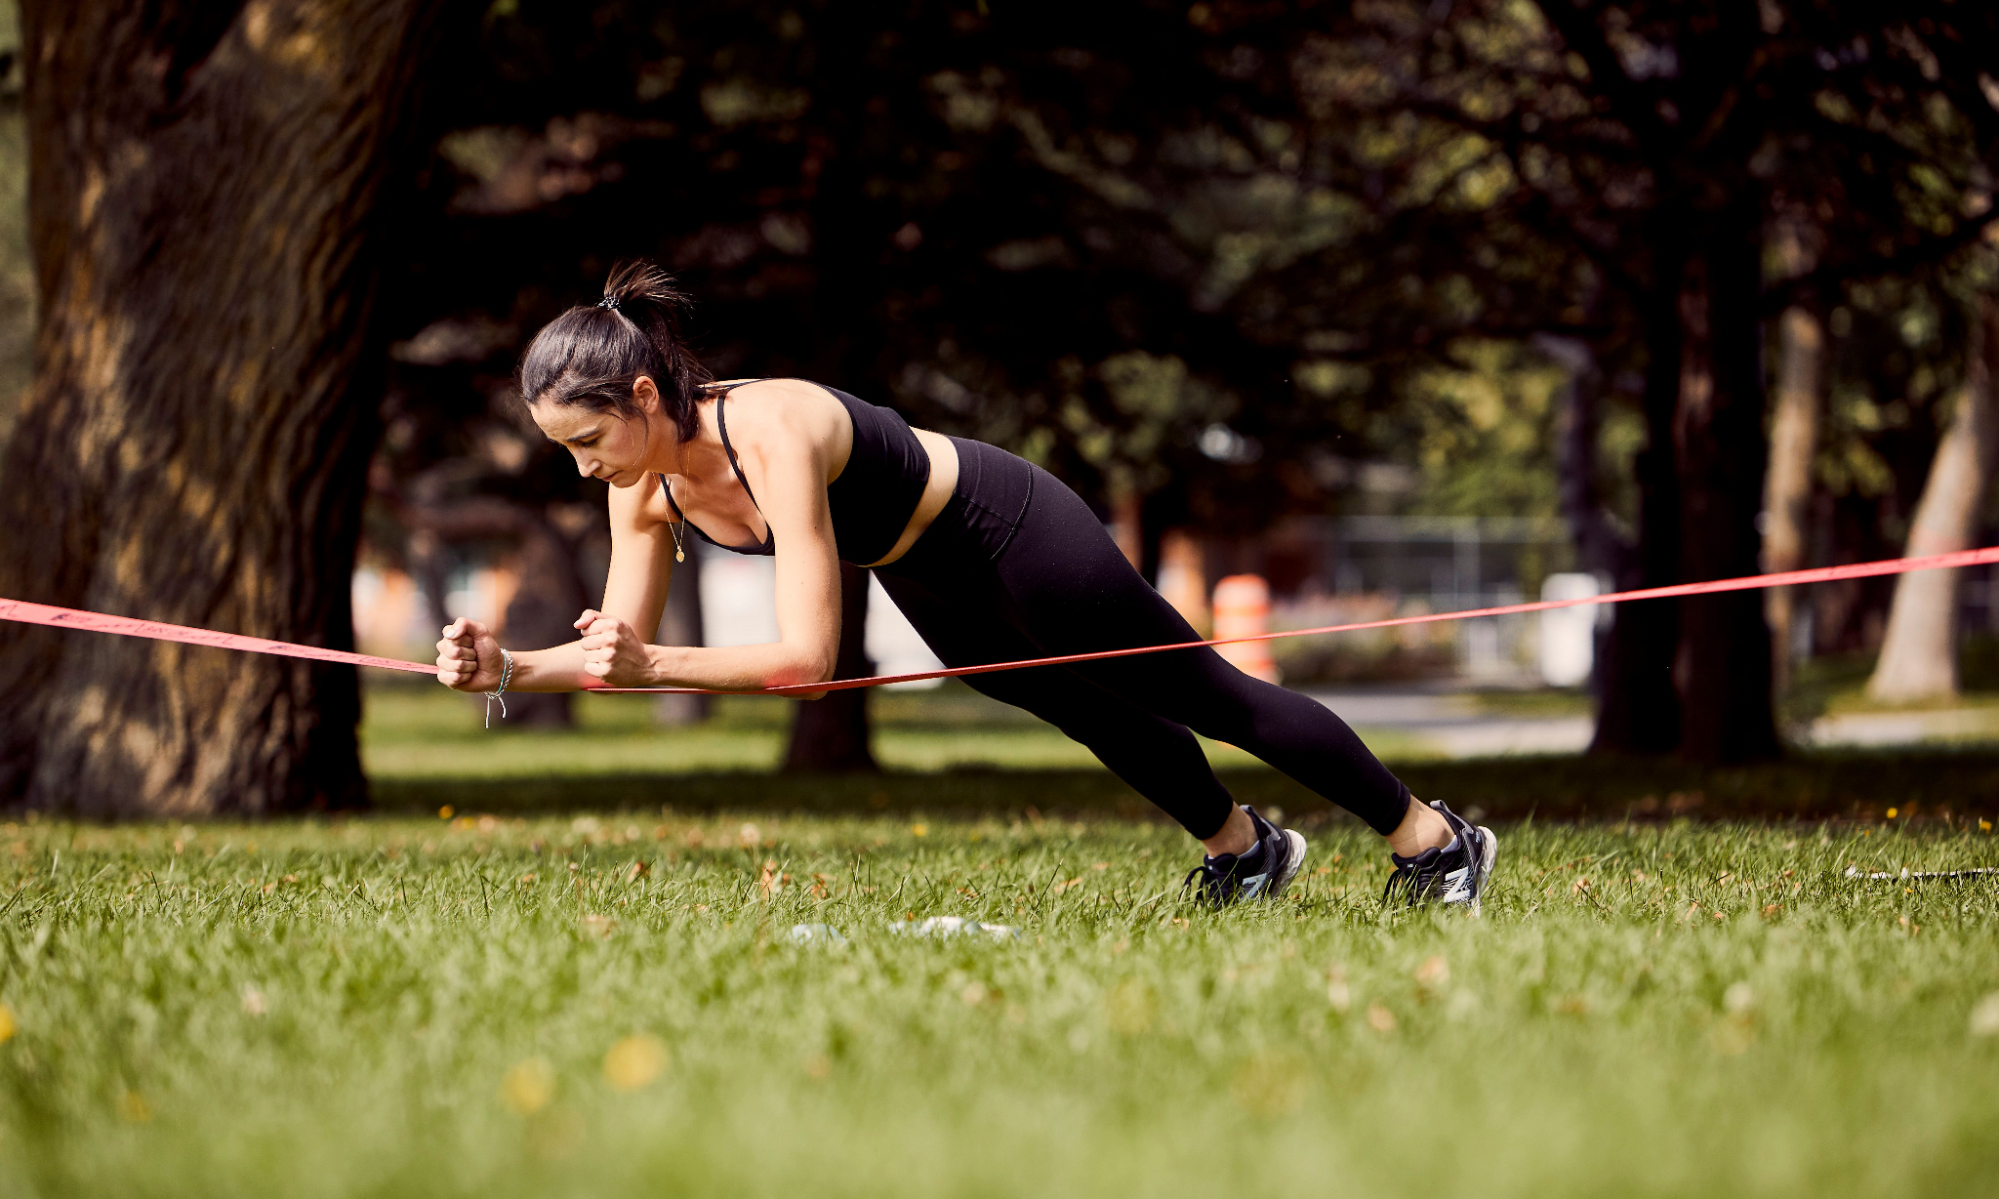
x,y
991,558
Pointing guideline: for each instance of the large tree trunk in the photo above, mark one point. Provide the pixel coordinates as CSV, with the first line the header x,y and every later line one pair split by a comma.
x,y
1723,669
206,193
1638,709
832,733
1919,655
1787,489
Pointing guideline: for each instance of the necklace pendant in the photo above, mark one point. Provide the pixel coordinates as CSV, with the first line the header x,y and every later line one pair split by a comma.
x,y
679,555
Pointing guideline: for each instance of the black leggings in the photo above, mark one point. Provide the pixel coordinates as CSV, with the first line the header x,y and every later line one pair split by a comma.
x,y
1017,566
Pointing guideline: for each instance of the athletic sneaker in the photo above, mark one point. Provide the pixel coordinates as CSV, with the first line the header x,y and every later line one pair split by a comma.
x,y
1454,875
1262,873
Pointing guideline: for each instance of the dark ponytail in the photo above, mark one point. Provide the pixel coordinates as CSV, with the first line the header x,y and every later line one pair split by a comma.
x,y
593,356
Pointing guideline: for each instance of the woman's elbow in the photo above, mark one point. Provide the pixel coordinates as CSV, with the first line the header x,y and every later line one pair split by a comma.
x,y
817,667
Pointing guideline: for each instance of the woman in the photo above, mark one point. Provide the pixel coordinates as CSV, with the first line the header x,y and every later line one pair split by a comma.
x,y
991,558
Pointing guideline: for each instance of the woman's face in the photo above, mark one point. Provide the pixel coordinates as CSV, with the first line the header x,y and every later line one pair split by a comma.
x,y
619,450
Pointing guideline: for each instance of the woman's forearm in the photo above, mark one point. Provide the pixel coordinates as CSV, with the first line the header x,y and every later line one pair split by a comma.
x,y
737,667
731,668
559,668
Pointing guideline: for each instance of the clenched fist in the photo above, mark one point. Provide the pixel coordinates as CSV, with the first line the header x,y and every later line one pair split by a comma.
x,y
468,658
613,651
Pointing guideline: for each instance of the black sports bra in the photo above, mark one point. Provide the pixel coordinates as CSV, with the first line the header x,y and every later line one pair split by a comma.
x,y
872,500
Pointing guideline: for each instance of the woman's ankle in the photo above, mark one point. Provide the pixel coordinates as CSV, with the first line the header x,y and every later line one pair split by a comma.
x,y
1422,827
1237,835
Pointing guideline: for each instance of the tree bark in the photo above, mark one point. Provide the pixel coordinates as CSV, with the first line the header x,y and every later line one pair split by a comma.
x,y
1723,667
831,733
1638,708
682,625
1919,654
1788,487
206,193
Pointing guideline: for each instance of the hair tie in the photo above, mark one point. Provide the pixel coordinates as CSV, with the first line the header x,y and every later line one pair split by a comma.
x,y
610,302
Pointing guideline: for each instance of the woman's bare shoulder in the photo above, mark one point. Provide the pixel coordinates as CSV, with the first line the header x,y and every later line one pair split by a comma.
x,y
783,409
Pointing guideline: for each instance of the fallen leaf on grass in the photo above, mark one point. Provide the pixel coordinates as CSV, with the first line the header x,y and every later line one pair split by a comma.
x,y
528,1086
634,1062
1338,994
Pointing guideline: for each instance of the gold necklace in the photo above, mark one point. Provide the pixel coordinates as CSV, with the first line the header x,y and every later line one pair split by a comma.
x,y
673,527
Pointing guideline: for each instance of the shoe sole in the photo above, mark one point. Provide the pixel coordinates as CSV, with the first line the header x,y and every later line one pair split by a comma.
x,y
1485,864
1293,863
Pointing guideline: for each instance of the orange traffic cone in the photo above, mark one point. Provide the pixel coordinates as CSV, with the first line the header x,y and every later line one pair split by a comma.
x,y
1242,609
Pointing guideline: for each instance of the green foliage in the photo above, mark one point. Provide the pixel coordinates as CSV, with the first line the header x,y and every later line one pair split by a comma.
x,y
501,1007
1482,423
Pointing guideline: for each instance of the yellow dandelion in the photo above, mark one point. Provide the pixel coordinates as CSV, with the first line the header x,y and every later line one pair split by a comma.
x,y
919,830
634,1062
1893,812
8,1025
528,1086
444,813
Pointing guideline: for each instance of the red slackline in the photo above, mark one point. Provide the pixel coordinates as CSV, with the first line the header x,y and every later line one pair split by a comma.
x,y
97,622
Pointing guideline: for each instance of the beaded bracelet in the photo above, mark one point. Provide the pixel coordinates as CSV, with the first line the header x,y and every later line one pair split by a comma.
x,y
499,693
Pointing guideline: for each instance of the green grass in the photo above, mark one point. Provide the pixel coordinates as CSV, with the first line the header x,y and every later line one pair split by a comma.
x,y
401,1006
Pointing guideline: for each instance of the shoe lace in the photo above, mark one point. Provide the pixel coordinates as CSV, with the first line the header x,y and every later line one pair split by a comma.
x,y
1212,884
1403,877
1413,880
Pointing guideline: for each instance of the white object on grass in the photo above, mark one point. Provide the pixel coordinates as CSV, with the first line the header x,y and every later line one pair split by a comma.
x,y
952,926
817,932
1854,872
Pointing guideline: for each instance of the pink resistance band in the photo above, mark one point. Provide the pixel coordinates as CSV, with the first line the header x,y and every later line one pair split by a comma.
x,y
97,622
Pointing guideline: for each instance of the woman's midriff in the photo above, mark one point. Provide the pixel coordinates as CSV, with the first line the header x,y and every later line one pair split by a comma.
x,y
936,492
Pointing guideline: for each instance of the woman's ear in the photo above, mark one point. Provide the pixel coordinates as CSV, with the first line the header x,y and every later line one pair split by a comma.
x,y
645,394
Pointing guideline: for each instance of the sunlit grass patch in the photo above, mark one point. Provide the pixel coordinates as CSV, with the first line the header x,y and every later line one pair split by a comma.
x,y
611,1003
